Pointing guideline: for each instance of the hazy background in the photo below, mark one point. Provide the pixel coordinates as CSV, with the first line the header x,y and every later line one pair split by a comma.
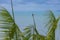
x,y
23,12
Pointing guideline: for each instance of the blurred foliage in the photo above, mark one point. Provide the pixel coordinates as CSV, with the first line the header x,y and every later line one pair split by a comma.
x,y
11,31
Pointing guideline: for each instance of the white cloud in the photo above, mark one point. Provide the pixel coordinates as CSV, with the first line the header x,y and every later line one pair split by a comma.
x,y
30,7
53,2
35,7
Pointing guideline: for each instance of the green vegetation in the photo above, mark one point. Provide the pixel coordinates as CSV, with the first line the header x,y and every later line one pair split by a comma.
x,y
10,30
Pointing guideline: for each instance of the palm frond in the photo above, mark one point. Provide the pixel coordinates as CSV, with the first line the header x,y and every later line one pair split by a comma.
x,y
52,24
7,22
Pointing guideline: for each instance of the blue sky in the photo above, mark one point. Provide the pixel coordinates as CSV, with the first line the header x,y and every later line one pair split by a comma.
x,y
32,5
24,8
